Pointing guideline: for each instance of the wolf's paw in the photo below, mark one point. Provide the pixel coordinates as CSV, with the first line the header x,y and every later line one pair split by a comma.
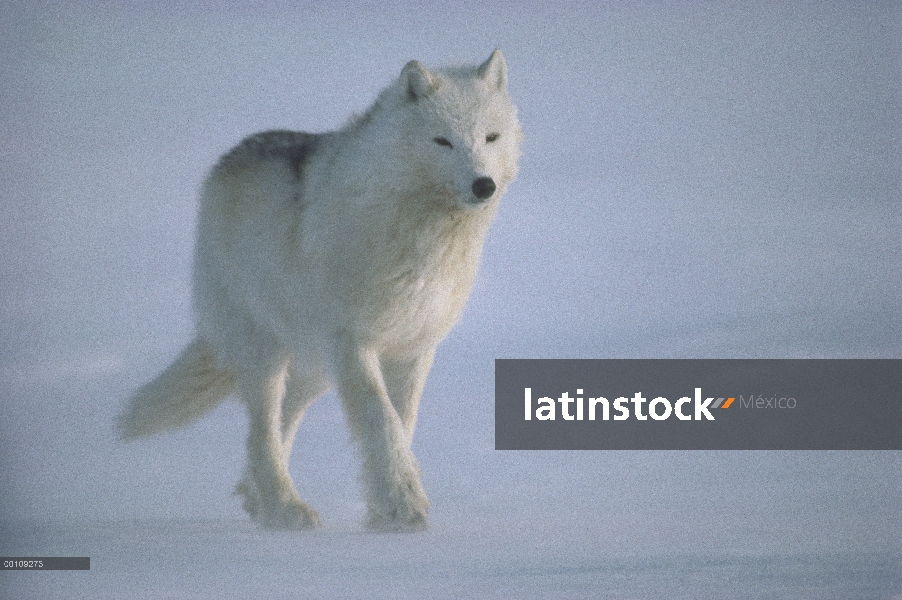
x,y
407,510
290,513
293,514
396,524
251,500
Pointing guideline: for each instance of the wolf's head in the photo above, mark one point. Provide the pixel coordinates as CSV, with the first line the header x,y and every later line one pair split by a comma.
x,y
459,130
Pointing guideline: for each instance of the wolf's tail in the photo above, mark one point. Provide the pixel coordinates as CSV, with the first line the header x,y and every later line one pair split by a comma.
x,y
184,392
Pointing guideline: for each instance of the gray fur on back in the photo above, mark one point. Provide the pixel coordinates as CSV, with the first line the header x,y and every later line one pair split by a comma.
x,y
294,147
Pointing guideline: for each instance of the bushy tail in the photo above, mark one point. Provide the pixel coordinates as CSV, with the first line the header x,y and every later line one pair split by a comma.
x,y
184,392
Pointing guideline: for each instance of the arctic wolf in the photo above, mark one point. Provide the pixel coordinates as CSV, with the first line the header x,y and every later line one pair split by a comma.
x,y
341,259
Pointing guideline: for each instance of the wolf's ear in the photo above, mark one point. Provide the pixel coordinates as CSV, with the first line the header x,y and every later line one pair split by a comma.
x,y
494,70
416,81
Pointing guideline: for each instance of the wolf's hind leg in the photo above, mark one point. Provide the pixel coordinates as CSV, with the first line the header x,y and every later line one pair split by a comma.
x,y
269,494
301,390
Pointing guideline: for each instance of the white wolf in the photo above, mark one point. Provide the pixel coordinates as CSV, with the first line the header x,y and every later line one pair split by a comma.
x,y
342,259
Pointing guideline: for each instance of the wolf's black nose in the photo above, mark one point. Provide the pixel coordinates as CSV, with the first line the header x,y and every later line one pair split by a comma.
x,y
483,187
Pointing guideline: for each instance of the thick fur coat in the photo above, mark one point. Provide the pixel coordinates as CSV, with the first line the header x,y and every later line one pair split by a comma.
x,y
341,259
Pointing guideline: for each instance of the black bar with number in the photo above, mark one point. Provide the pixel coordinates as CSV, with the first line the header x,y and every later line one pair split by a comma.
x,y
45,563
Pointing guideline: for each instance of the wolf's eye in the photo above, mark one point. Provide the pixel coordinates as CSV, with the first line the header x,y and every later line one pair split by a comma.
x,y
442,142
492,137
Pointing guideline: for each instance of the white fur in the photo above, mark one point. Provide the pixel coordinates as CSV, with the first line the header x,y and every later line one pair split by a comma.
x,y
340,259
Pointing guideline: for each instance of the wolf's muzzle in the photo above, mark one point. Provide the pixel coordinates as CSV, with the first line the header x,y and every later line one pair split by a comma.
x,y
483,187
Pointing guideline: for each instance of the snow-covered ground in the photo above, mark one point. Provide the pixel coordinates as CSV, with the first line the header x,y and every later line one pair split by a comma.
x,y
697,181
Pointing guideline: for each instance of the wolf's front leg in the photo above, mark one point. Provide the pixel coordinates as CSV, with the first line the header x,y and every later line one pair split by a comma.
x,y
395,497
269,493
405,380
